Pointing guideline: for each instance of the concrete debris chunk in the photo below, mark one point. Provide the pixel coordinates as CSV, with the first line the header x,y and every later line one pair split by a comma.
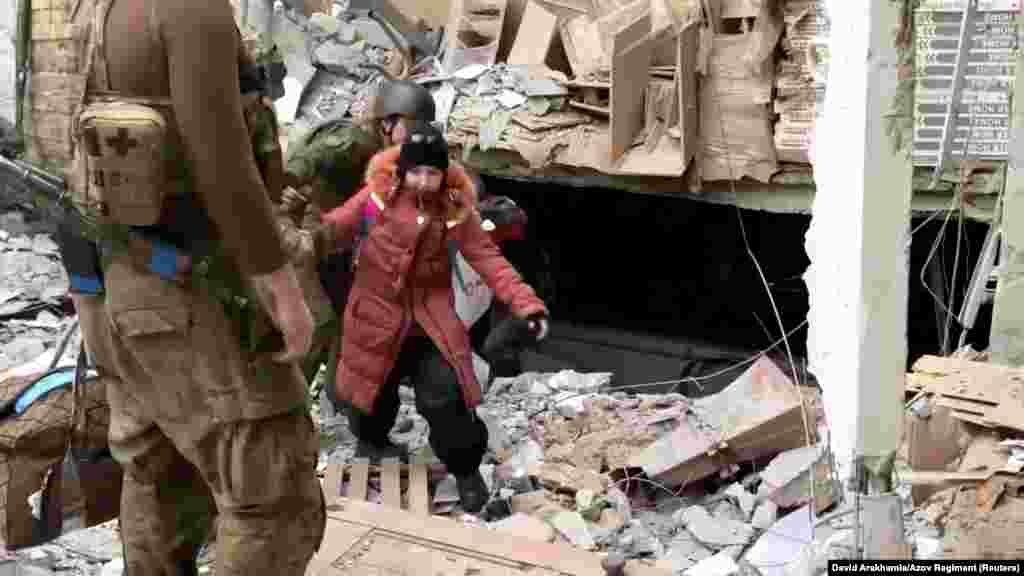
x,y
574,528
926,548
684,552
113,568
638,541
746,501
43,245
726,510
759,414
765,515
324,24
571,405
611,520
579,382
525,526
787,479
720,564
568,478
783,544
715,533
447,491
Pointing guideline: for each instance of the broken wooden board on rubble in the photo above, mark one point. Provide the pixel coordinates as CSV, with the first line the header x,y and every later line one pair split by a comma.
x,y
982,393
364,538
759,414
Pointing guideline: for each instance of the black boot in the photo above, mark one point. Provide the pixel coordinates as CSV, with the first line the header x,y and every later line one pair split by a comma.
x,y
473,494
377,452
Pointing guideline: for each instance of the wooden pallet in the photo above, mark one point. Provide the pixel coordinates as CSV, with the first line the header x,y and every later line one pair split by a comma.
x,y
413,480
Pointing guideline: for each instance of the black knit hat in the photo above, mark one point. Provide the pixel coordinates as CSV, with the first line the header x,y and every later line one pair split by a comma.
x,y
425,146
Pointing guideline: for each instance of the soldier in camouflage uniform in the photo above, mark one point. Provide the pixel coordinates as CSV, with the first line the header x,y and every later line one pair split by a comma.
x,y
324,168
195,417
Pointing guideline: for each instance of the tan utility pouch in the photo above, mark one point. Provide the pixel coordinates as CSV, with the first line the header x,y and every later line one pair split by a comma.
x,y
122,147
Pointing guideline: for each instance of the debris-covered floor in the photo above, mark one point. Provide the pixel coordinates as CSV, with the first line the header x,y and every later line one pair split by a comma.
x,y
686,484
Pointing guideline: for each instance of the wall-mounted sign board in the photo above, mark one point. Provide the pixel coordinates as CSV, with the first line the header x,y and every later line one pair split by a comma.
x,y
983,107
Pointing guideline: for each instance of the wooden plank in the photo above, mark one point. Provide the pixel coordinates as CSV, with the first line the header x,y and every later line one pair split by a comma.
x,y
963,405
359,477
590,108
973,419
333,480
631,62
536,33
934,478
1010,411
391,482
686,72
419,490
457,538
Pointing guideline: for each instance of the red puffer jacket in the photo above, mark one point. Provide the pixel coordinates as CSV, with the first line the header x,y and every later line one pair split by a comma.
x,y
404,276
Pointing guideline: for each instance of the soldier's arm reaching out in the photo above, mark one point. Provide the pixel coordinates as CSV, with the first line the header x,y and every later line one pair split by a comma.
x,y
201,42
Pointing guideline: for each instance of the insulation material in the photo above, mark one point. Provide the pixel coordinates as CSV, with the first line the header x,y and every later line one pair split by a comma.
x,y
800,78
736,121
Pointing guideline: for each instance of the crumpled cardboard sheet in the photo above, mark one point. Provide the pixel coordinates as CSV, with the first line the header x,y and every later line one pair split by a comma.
x,y
736,122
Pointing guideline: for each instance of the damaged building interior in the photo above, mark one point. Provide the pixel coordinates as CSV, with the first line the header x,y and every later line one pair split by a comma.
x,y
783,298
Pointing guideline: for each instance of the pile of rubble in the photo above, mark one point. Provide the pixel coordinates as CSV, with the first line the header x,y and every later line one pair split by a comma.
x,y
33,290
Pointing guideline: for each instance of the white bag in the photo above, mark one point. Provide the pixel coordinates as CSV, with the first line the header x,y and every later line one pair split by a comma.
x,y
472,296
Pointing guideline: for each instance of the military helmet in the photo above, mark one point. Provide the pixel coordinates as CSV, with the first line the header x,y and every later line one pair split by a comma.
x,y
404,98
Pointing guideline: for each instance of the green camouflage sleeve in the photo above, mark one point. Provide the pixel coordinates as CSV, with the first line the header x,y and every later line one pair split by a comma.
x,y
336,153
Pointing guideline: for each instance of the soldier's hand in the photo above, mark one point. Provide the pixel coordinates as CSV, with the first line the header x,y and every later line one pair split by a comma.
x,y
281,296
293,199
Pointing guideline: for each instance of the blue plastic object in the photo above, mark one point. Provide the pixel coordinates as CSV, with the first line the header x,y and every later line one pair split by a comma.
x,y
57,379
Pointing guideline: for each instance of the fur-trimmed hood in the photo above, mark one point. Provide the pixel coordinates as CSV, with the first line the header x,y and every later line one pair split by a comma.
x,y
459,201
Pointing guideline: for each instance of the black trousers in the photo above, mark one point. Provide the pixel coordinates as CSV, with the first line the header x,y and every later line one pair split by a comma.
x,y
457,436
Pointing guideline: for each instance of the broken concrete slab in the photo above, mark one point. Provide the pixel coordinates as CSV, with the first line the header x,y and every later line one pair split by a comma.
x,y
579,382
684,551
715,533
721,564
574,528
525,526
786,480
726,510
447,491
783,544
765,515
745,500
757,415
638,540
611,520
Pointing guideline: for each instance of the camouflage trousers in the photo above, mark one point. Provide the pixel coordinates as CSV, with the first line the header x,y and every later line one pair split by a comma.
x,y
197,431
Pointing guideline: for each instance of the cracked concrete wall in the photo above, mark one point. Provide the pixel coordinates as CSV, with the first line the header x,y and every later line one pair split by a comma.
x,y
8,39
858,241
1007,333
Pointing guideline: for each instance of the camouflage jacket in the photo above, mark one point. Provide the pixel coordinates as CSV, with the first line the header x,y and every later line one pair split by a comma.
x,y
331,159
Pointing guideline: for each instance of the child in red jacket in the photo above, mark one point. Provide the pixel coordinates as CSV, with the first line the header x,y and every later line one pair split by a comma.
x,y
414,213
